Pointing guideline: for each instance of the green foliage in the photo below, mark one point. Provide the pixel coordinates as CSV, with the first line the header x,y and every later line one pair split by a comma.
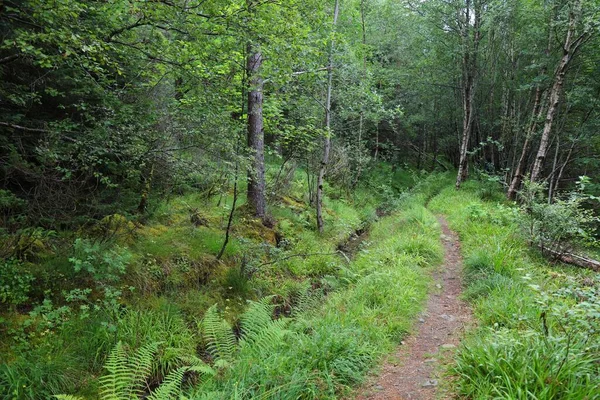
x,y
15,283
127,374
559,225
218,336
102,263
538,328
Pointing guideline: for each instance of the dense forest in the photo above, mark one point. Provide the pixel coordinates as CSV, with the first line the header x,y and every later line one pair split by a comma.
x,y
239,199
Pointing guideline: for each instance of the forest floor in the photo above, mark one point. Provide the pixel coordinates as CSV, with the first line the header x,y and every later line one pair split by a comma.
x,y
415,371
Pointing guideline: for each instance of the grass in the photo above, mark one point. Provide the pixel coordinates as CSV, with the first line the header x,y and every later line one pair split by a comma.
x,y
330,349
537,336
172,278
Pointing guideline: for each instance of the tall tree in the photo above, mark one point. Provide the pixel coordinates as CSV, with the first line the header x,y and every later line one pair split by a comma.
x,y
572,43
471,36
327,138
256,138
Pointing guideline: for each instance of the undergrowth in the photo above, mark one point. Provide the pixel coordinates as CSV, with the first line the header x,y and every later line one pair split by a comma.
x,y
128,285
538,334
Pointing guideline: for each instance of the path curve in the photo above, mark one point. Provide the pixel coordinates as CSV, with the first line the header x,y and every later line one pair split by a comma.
x,y
414,373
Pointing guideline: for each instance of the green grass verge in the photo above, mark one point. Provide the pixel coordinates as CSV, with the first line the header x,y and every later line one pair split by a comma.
x,y
330,348
538,335
153,282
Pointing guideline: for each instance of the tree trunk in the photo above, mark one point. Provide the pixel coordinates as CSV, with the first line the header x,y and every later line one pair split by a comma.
x,y
327,140
570,47
468,85
256,140
515,183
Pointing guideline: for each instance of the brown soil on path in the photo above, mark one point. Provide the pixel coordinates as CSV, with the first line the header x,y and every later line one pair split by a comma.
x,y
414,374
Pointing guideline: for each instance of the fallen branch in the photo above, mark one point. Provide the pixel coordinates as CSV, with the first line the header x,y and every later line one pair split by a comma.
x,y
575,259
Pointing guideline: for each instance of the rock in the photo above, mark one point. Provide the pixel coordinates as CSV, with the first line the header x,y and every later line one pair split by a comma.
x,y
438,286
429,360
448,346
447,317
421,320
430,383
378,387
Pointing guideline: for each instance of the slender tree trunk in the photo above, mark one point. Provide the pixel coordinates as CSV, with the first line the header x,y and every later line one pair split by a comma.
x,y
515,183
562,169
468,85
361,121
327,141
569,48
256,140
375,156
551,177
236,174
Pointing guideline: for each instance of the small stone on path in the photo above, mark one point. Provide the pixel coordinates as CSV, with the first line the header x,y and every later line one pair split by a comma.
x,y
430,383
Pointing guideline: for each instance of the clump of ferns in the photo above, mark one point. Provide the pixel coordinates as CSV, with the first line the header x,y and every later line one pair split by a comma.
x,y
259,333
130,376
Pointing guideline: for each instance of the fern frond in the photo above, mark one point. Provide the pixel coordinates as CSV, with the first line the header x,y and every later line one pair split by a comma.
x,y
218,335
67,397
119,376
212,396
141,366
305,300
198,366
127,375
263,342
258,316
170,388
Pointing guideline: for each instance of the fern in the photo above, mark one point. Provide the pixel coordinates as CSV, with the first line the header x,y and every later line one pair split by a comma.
x,y
264,341
218,335
127,375
171,386
258,316
305,300
260,332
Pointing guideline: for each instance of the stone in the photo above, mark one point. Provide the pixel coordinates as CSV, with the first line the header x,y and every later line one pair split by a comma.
x,y
430,383
447,317
448,346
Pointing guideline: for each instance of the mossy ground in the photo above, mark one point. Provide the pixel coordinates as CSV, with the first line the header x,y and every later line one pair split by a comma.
x,y
172,276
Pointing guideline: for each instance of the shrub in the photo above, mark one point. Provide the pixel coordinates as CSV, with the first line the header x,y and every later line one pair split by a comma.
x,y
15,283
560,225
102,263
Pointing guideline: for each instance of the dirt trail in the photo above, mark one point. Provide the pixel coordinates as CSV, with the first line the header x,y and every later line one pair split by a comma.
x,y
414,373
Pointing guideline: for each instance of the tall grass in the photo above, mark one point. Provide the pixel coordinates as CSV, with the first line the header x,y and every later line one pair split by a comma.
x,y
538,330
331,348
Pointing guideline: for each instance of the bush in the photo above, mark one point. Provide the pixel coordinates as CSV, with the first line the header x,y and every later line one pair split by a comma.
x,y
15,283
558,226
103,263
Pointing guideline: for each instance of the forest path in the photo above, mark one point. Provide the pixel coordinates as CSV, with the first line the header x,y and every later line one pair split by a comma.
x,y
414,372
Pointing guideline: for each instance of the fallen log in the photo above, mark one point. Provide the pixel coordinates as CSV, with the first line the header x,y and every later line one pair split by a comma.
x,y
575,259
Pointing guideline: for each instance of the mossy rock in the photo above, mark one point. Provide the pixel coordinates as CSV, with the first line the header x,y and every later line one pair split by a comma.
x,y
116,226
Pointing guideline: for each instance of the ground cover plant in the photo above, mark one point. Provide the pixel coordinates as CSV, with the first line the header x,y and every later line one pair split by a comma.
x,y
153,291
538,329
